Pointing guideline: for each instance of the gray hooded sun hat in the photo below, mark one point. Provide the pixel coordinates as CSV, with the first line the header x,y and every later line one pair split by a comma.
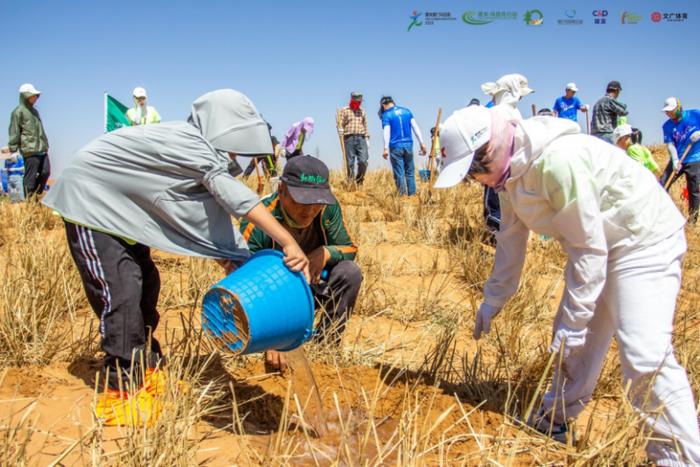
x,y
231,123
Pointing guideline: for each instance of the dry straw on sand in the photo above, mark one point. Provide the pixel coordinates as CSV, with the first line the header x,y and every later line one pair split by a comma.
x,y
409,385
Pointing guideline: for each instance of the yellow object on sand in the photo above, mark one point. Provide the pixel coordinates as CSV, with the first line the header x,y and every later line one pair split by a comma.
x,y
144,407
116,408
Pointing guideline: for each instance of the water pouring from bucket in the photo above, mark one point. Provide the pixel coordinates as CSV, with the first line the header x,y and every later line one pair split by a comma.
x,y
265,306
260,306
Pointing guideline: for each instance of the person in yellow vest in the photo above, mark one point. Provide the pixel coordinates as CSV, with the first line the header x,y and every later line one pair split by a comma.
x,y
140,113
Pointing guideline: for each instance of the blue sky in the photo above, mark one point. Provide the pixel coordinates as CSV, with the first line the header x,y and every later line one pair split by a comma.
x,y
297,59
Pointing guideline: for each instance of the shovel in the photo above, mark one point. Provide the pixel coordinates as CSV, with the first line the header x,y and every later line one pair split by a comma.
x,y
676,173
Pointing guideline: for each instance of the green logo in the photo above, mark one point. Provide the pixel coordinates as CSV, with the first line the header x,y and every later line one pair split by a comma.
x,y
469,17
414,20
534,17
314,179
482,17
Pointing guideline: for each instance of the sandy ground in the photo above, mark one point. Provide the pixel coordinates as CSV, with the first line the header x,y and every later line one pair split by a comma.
x,y
419,287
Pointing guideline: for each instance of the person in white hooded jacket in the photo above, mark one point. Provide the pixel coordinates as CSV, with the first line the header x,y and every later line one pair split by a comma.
x,y
625,242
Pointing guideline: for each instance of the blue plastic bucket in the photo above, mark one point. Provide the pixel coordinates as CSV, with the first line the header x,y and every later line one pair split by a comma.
x,y
424,175
260,306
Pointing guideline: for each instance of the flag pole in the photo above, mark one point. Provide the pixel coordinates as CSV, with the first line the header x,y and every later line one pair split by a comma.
x,y
104,108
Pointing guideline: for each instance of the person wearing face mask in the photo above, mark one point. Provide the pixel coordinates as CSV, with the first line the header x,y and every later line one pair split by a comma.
x,y
353,129
681,133
171,187
141,113
507,91
625,241
306,207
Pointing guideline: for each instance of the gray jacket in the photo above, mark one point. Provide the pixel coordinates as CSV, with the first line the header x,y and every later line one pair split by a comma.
x,y
163,186
605,113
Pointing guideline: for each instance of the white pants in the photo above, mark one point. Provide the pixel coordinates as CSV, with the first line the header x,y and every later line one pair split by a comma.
x,y
637,307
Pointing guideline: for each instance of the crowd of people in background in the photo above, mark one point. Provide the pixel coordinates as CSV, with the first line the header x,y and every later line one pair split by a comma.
x,y
27,152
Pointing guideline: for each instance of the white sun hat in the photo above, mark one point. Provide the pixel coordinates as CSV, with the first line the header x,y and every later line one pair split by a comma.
x,y
139,92
620,131
465,131
572,87
671,104
28,87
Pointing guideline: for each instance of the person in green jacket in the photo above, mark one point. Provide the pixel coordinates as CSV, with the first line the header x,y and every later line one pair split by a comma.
x,y
624,137
305,206
27,137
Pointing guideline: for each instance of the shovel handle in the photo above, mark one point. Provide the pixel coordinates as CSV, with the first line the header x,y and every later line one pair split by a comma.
x,y
675,173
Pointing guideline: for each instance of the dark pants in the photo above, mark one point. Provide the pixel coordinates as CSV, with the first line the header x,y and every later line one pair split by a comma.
x,y
122,286
36,173
356,150
692,178
492,210
403,169
335,299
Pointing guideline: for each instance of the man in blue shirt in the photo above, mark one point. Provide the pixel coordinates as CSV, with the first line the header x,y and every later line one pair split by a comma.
x,y
681,130
568,105
397,124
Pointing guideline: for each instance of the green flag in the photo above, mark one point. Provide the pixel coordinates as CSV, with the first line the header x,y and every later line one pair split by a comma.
x,y
115,114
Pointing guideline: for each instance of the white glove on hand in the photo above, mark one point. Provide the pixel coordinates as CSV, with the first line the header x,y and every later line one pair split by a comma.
x,y
570,338
483,319
695,137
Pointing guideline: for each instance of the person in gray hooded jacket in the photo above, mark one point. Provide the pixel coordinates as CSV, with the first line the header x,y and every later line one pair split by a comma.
x,y
169,186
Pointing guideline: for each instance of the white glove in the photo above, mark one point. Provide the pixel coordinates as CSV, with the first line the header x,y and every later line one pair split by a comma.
x,y
695,137
483,319
570,338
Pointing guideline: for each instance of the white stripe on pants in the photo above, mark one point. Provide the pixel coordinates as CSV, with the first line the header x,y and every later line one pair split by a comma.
x,y
637,307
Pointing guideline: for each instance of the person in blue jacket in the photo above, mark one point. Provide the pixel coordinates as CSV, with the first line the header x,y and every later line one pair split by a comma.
x,y
681,132
568,105
397,125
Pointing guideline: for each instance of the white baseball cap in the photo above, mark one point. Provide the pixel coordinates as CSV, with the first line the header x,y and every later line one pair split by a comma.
x,y
462,134
139,92
670,104
572,87
28,87
620,131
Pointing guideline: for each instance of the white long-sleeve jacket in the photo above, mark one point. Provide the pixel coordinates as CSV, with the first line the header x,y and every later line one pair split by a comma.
x,y
587,194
